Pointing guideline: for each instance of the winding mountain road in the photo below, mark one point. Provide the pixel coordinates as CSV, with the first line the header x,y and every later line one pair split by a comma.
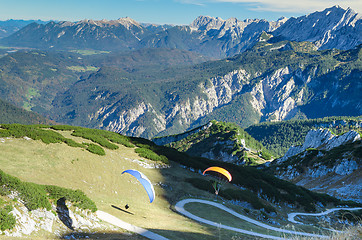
x,y
180,208
291,216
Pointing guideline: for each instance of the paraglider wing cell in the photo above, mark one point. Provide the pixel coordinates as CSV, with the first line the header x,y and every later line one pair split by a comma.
x,y
146,183
219,170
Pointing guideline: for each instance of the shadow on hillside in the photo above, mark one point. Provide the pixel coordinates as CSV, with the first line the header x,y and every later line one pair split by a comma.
x,y
165,233
63,213
118,208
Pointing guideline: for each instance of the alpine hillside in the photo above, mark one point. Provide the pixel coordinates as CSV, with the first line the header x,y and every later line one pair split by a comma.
x,y
219,141
91,160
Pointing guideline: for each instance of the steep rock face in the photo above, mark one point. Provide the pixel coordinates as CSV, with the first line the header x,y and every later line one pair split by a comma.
x,y
126,118
321,139
216,92
334,167
334,27
272,96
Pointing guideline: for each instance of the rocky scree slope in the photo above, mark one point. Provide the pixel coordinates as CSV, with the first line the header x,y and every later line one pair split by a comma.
x,y
67,221
325,163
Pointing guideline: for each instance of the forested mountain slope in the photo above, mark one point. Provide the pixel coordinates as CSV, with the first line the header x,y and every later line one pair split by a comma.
x,y
219,141
272,82
280,136
13,114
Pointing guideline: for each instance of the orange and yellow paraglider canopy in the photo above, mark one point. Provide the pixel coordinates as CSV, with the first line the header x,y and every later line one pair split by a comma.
x,y
219,170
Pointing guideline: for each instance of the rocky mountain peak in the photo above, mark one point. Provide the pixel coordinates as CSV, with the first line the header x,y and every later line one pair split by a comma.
x,y
128,22
333,27
207,22
125,21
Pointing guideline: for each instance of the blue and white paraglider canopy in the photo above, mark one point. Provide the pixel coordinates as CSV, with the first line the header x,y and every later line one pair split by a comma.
x,y
146,183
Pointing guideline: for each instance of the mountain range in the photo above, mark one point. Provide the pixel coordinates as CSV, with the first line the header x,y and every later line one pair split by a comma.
x,y
333,27
164,85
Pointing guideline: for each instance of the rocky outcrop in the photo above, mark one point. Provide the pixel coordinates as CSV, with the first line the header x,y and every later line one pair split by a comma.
x,y
342,180
29,223
272,96
221,151
321,139
337,173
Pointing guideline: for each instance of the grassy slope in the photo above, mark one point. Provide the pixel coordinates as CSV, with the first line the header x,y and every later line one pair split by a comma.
x,y
100,178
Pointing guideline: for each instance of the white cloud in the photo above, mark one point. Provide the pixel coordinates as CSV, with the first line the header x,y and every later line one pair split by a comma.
x,y
296,5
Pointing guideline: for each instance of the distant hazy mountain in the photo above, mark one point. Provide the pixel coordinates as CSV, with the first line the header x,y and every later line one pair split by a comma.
x,y
213,37
121,34
9,27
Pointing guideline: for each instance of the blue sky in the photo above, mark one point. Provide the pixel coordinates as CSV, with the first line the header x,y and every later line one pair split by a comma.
x,y
178,12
